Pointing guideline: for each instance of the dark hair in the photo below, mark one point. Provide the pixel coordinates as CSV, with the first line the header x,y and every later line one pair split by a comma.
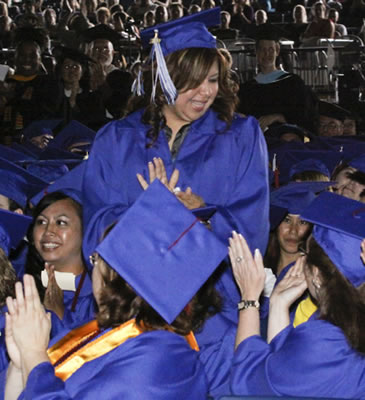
x,y
339,301
272,254
119,303
188,69
34,262
13,205
7,278
358,177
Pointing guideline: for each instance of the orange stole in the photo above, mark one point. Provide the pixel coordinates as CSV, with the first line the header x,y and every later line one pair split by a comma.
x,y
93,349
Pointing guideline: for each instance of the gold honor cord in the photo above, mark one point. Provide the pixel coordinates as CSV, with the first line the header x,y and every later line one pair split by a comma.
x,y
78,346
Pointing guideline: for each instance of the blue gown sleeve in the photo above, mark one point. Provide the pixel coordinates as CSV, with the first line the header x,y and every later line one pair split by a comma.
x,y
313,359
247,210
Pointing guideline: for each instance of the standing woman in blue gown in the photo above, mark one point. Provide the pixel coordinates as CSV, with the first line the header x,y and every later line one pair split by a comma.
x,y
182,129
323,356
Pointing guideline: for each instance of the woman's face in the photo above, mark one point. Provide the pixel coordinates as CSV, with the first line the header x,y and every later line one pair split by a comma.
x,y
291,233
57,235
342,179
71,71
191,104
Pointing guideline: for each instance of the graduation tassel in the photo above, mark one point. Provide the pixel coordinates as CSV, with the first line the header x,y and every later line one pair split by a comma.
x,y
161,73
276,172
137,86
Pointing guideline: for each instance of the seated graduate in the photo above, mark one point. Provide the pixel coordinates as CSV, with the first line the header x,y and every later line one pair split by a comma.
x,y
324,356
12,230
150,280
55,260
275,95
354,186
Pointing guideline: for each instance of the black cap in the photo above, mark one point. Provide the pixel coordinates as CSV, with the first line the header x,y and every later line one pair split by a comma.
x,y
62,52
101,31
332,110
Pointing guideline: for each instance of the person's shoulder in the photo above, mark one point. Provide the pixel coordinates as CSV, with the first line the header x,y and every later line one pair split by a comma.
x,y
131,123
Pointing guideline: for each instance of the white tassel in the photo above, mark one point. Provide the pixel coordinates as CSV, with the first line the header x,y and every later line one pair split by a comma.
x,y
162,73
137,86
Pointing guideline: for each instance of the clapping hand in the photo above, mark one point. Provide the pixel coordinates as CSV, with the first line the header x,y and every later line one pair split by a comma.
x,y
291,287
157,170
27,327
248,271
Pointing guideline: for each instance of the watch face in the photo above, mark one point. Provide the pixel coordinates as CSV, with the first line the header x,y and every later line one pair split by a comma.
x,y
244,304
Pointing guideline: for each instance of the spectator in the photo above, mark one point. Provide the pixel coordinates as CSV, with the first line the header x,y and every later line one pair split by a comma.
x,y
224,32
320,27
260,17
331,118
340,29
176,10
149,19
275,95
161,14
296,29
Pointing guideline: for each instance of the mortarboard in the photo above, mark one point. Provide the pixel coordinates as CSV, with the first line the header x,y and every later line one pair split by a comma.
x,y
48,170
73,133
186,32
358,163
332,110
13,155
18,184
309,164
339,229
41,127
162,250
62,52
277,130
69,184
183,33
101,31
293,198
13,228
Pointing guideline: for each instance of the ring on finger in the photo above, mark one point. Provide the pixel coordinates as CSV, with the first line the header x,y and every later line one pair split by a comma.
x,y
239,259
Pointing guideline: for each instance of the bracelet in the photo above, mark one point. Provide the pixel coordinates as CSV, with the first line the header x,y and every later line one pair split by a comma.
x,y
244,304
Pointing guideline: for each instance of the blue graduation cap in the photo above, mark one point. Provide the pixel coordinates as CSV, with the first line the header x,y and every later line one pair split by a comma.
x,y
48,170
18,184
339,228
13,155
293,199
13,228
358,163
73,133
69,184
162,250
183,33
309,164
41,127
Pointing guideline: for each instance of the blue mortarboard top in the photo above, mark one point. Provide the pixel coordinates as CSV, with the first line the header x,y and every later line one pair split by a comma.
x,y
13,155
41,127
74,132
287,159
339,228
69,184
13,228
182,33
186,32
48,170
309,164
55,153
358,163
293,199
162,250
18,184
350,145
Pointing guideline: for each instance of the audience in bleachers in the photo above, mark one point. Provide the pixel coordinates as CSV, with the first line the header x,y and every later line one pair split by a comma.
x,y
69,68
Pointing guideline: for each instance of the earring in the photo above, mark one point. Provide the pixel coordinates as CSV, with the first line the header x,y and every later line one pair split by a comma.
x,y
316,284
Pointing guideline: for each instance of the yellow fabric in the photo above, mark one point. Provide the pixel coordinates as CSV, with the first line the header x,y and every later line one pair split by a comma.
x,y
22,78
95,348
305,310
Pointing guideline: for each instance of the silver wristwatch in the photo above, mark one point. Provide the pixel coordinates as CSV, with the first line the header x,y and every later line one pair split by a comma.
x,y
244,304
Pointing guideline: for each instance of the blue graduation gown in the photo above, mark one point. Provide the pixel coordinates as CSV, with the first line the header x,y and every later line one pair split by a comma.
x,y
226,167
84,311
154,365
312,360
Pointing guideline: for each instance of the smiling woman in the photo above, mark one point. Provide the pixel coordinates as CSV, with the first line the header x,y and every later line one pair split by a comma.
x,y
55,260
